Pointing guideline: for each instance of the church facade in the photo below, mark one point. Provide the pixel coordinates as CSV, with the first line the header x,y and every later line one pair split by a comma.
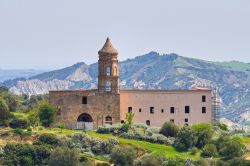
x,y
88,109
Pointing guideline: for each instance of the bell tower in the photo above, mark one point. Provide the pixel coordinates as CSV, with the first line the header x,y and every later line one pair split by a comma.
x,y
108,69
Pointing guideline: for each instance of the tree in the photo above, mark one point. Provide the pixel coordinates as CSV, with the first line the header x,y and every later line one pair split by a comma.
x,y
4,89
12,101
63,157
238,161
129,118
46,114
25,154
169,129
123,156
4,113
33,117
185,139
232,148
203,133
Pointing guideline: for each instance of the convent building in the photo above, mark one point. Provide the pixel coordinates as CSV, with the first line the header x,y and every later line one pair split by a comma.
x,y
89,109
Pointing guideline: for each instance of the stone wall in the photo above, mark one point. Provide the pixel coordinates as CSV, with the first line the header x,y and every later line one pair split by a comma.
x,y
99,106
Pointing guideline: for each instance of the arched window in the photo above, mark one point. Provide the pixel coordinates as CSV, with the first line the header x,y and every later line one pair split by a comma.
x,y
108,86
108,119
108,70
115,71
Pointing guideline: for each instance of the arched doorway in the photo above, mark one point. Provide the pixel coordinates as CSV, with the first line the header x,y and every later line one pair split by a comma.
x,y
84,122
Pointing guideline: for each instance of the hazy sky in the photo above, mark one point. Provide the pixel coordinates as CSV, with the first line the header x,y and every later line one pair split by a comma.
x,y
49,34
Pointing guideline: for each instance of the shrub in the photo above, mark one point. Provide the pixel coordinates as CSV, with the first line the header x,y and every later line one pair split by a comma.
x,y
185,139
96,146
25,154
79,141
108,129
150,160
169,129
103,146
63,157
209,150
46,114
223,126
193,150
4,113
49,139
152,130
108,145
124,156
18,123
203,132
154,138
22,132
123,129
102,164
238,162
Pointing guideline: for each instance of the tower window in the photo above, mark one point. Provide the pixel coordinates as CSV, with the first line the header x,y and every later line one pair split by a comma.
x,y
162,110
203,98
84,100
186,119
108,70
148,122
152,110
172,110
108,86
130,109
187,109
204,110
139,109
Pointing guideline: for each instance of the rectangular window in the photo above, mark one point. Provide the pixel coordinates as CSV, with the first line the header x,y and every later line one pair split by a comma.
x,y
58,112
172,120
122,121
187,109
139,109
129,109
152,110
204,110
172,110
162,110
148,122
84,100
186,119
203,98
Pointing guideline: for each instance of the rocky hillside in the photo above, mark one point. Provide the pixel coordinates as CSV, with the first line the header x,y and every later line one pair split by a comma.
x,y
154,71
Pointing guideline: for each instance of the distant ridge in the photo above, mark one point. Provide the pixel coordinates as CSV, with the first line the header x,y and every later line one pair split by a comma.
x,y
154,71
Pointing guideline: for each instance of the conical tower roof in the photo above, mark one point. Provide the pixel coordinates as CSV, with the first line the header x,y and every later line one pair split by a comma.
x,y
108,48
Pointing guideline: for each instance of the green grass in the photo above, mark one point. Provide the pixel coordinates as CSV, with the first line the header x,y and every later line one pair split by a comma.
x,y
168,151
20,115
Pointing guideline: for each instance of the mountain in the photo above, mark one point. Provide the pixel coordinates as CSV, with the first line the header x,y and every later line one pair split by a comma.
x,y
154,71
12,74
